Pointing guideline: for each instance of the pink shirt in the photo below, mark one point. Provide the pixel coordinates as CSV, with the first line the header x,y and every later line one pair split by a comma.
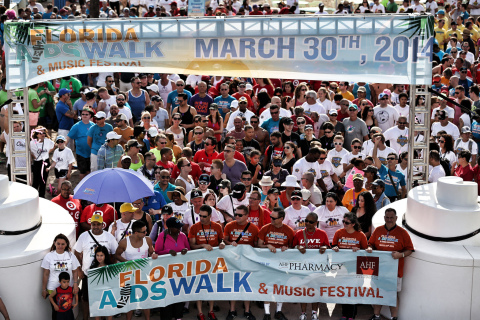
x,y
162,248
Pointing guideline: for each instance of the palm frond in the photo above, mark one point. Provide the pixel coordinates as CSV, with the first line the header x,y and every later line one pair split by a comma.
x,y
112,271
421,26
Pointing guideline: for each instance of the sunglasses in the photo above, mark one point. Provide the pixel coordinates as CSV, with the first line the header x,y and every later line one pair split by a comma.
x,y
199,133
202,216
441,141
120,99
322,158
252,122
240,215
109,81
402,122
180,84
277,164
85,114
346,222
273,218
203,183
227,151
176,119
301,122
338,143
296,199
145,117
391,158
242,103
246,179
329,131
287,148
457,92
180,101
165,177
187,165
357,147
275,112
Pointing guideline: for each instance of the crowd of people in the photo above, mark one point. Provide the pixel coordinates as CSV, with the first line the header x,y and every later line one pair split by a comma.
x,y
232,159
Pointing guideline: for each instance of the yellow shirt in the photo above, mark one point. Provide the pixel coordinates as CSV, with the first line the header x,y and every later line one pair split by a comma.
x,y
457,32
474,35
348,95
348,200
440,35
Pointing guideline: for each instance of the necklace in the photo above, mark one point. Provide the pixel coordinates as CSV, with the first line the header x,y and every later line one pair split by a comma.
x,y
310,234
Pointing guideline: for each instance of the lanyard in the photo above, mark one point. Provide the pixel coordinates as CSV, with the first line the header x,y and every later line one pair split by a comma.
x,y
204,233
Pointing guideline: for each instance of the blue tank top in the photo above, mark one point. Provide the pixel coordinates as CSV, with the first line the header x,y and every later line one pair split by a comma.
x,y
367,88
137,104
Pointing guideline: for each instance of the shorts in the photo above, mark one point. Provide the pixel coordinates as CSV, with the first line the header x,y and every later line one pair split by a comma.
x,y
61,173
399,284
83,164
93,162
85,289
67,315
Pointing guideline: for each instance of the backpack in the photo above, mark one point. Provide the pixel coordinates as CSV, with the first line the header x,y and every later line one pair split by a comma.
x,y
457,142
445,163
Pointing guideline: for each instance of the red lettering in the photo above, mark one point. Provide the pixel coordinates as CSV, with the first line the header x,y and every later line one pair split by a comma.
x,y
311,292
349,291
277,289
361,291
298,292
378,294
340,293
370,292
323,290
286,290
330,291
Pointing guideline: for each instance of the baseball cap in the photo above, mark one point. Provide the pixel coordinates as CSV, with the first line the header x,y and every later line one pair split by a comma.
x,y
100,115
151,6
437,78
96,218
248,86
224,184
242,99
442,115
196,193
173,222
273,190
142,75
152,132
204,178
453,22
277,162
121,116
296,194
441,12
113,135
63,91
357,176
354,106
133,143
465,129
361,89
234,104
321,4
156,98
305,194
332,112
60,138
255,6
463,69
213,106
378,183
238,190
381,95
167,210
127,207
125,157
153,87
308,127
288,121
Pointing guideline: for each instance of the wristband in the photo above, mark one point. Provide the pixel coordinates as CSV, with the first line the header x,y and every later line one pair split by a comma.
x,y
403,254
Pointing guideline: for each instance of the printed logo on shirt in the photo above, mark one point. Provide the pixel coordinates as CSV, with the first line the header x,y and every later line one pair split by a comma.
x,y
332,222
324,173
20,143
64,301
350,129
312,171
71,205
383,160
368,265
300,222
336,161
382,116
60,266
178,215
402,140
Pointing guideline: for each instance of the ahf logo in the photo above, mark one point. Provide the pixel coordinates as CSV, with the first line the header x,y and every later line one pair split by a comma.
x,y
368,265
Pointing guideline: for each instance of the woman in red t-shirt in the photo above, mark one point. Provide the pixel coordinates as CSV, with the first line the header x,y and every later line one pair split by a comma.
x,y
349,237
316,239
462,167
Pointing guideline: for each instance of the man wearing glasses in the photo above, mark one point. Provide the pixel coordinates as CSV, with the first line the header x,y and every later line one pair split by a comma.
x,y
78,133
241,112
465,82
137,98
201,101
398,136
444,125
172,102
261,135
355,128
343,86
122,109
383,151
386,115
122,128
242,87
275,235
224,100
205,156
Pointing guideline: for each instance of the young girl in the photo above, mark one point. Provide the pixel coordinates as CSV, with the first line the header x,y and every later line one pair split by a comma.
x,y
101,259
62,162
40,148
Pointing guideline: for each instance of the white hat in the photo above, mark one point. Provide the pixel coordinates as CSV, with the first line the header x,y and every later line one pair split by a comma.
x,y
100,114
153,132
266,181
122,116
234,104
248,86
306,194
291,181
153,87
113,135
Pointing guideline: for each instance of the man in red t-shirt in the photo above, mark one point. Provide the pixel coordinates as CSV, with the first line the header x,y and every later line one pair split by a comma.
x,y
166,157
66,201
237,155
105,210
462,167
241,93
205,156
196,171
391,237
276,235
259,216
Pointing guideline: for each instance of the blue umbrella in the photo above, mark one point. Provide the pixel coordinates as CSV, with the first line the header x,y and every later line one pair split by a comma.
x,y
113,185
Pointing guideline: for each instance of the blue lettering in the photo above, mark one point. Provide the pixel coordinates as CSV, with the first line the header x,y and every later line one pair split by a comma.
x,y
107,300
247,43
153,48
344,42
155,289
228,48
182,283
133,296
220,287
290,47
313,46
51,50
202,51
237,282
71,49
95,50
204,284
386,46
261,48
332,43
117,50
354,42
133,51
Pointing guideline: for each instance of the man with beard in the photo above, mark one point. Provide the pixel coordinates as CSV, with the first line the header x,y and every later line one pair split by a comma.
x,y
74,85
112,116
66,201
122,109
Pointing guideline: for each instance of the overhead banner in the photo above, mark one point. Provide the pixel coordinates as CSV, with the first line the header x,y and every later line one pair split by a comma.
x,y
244,273
360,48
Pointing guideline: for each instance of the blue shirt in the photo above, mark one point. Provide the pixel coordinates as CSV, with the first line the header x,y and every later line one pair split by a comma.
x,y
223,103
172,98
47,15
64,122
99,136
155,202
78,133
271,125
170,187
397,177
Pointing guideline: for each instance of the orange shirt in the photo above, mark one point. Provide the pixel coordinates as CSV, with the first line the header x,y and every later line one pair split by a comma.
x,y
345,240
233,230
126,134
277,237
349,200
211,233
396,239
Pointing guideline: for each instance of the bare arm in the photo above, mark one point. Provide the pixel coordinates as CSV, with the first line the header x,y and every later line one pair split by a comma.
x,y
89,141
122,246
378,163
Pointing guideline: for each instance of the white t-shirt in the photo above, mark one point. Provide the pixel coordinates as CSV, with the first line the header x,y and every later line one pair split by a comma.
x,y
108,103
166,4
466,120
187,219
474,12
348,157
398,139
265,115
316,107
450,128
383,154
247,114
296,218
363,9
450,112
436,173
302,166
20,162
86,245
417,8
40,149
125,110
450,156
58,263
464,146
192,79
225,204
405,112
327,104
330,221
121,227
326,170
378,7
40,8
179,211
335,159
386,117
431,6
63,158
160,118
367,146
